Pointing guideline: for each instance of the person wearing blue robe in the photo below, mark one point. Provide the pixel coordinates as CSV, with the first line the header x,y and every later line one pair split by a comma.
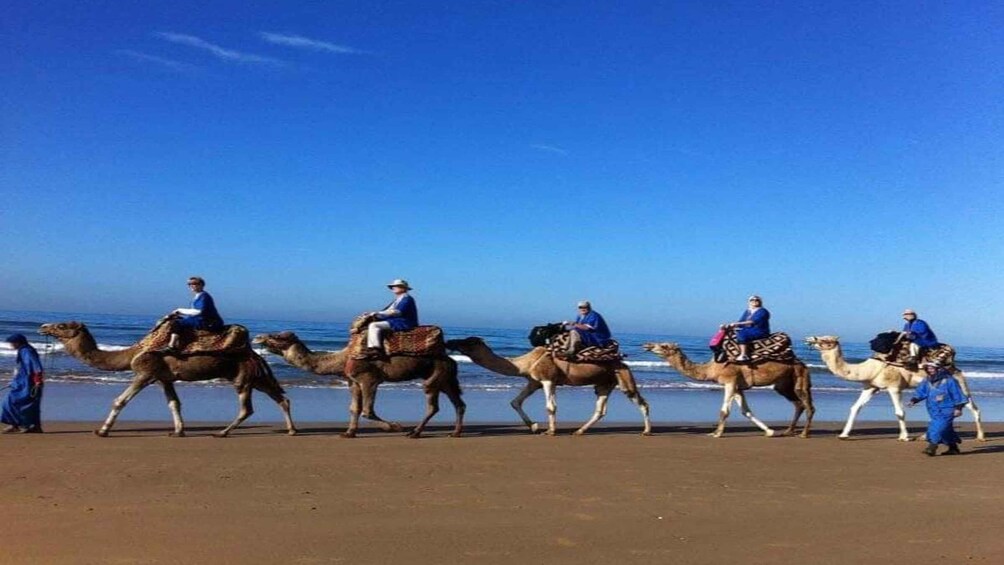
x,y
753,324
399,316
202,315
588,330
22,409
945,400
918,333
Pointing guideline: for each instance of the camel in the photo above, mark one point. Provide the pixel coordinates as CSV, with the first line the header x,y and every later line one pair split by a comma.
x,y
791,381
364,376
247,371
542,370
877,375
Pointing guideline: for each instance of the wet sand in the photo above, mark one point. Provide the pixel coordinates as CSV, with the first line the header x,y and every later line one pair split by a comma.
x,y
498,495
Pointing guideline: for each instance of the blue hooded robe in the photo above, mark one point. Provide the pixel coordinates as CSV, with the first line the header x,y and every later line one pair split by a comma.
x,y
760,328
407,318
20,408
208,317
943,395
920,333
599,336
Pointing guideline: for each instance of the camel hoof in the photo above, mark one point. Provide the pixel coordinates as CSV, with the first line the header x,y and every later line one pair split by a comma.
x,y
176,434
292,432
221,435
804,435
842,436
456,434
414,434
715,434
550,433
101,433
981,439
534,428
769,433
578,433
395,427
646,433
906,439
348,435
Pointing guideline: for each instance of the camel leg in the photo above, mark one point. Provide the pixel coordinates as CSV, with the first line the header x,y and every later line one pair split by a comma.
x,y
971,405
531,387
642,405
174,405
805,396
723,414
369,391
897,408
120,403
551,403
431,409
740,400
602,396
355,403
866,395
244,411
284,404
452,390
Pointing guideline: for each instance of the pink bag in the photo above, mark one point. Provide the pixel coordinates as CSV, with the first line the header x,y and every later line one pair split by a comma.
x,y
717,339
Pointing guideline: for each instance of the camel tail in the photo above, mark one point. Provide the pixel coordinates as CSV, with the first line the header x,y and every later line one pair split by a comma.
x,y
263,374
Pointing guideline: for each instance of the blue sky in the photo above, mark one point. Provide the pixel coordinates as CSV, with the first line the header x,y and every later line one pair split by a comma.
x,y
664,160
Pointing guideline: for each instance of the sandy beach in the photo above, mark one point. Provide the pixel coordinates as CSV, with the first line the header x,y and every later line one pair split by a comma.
x,y
498,495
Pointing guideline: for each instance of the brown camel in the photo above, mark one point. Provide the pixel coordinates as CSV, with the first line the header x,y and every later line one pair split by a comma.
x,y
364,376
246,370
791,381
542,370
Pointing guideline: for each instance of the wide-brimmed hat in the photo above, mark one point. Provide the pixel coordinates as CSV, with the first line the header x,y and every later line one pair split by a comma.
x,y
399,282
754,297
909,312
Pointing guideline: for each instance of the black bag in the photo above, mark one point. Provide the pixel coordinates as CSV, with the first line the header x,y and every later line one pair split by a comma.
x,y
540,334
884,342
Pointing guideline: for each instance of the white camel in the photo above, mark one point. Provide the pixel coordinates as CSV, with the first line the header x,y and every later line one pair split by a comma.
x,y
877,375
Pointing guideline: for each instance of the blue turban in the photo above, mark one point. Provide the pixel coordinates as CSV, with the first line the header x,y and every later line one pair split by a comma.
x,y
17,339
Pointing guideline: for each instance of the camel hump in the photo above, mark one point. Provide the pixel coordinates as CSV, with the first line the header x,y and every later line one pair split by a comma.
x,y
230,339
775,347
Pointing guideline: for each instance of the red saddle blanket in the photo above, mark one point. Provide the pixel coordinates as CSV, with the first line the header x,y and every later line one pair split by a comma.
x,y
420,342
558,345
775,347
942,354
231,339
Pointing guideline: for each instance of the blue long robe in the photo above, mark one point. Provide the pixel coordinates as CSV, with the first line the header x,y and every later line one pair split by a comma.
x,y
19,408
760,328
599,336
943,396
407,318
208,317
920,333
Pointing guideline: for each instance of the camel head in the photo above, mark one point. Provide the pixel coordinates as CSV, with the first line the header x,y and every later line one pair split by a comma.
x,y
465,345
823,342
63,330
665,350
277,343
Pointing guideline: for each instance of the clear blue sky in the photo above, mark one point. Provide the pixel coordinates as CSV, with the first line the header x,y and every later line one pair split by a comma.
x,y
664,160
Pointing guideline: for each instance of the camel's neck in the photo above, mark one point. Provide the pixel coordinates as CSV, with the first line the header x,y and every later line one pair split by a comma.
x,y
835,362
687,368
510,366
326,363
84,347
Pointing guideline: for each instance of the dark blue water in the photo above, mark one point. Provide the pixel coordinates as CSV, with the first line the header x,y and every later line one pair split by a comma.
x,y
673,397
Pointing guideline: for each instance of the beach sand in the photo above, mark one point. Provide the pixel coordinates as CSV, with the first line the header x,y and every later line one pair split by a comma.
x,y
498,495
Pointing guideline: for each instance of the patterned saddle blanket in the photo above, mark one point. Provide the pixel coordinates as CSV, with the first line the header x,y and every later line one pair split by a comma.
x,y
898,352
557,345
422,341
775,347
232,339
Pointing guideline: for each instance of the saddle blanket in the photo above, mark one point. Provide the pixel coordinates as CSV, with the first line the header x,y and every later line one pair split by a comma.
x,y
899,354
775,347
233,338
557,345
420,342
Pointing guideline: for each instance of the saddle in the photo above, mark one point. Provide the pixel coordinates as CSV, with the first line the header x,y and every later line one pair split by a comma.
x,y
423,341
889,348
231,339
557,345
775,347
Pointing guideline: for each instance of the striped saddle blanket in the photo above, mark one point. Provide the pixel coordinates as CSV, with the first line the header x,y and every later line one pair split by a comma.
x,y
775,347
899,355
420,342
232,339
558,345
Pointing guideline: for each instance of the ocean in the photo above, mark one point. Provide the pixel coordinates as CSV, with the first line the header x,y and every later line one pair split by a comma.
x,y
77,392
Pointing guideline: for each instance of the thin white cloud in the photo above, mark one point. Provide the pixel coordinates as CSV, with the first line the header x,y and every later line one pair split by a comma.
x,y
216,50
550,149
147,58
307,43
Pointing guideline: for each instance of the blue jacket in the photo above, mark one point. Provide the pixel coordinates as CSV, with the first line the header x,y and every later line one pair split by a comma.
x,y
20,408
599,335
760,328
407,317
920,333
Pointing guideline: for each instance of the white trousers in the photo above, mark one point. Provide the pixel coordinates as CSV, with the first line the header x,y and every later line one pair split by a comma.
x,y
375,333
